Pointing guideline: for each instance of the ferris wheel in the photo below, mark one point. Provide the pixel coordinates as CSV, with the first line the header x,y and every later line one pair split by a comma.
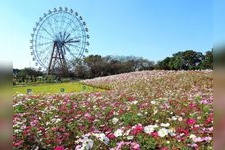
x,y
59,39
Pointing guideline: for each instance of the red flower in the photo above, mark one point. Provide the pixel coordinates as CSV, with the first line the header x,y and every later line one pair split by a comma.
x,y
59,148
131,99
192,105
111,136
89,117
154,134
181,130
137,129
191,121
19,143
164,148
209,119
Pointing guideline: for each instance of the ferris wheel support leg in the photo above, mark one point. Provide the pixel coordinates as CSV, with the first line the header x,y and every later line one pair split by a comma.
x,y
50,63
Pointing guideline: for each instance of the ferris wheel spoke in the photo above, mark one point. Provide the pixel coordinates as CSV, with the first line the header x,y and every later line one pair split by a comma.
x,y
72,41
56,20
54,25
42,44
68,50
75,46
74,29
45,59
76,38
50,26
47,56
47,32
40,36
69,23
41,52
62,22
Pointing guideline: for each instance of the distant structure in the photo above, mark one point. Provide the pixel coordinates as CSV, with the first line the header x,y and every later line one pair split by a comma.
x,y
59,39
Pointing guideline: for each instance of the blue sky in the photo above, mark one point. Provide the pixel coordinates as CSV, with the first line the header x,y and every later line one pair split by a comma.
x,y
218,22
152,29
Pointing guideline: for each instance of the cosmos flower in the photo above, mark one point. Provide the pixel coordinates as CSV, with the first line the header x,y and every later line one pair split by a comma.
x,y
191,121
164,124
137,129
115,120
149,129
118,133
102,137
59,148
163,132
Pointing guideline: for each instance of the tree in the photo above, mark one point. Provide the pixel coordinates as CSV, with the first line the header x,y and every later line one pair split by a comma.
x,y
164,64
96,65
207,62
183,60
28,74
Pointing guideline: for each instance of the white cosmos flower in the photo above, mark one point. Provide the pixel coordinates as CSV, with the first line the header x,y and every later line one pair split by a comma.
x,y
171,132
56,120
149,129
87,143
180,118
127,132
118,133
139,114
102,137
130,137
163,132
115,120
155,111
174,118
192,136
134,102
153,102
164,124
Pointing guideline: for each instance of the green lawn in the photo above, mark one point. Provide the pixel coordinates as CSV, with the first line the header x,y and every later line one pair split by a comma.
x,y
54,88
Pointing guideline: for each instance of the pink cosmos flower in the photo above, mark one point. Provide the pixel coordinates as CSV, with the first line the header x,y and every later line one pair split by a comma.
x,y
89,117
59,148
209,119
181,130
137,129
197,139
132,145
164,148
191,121
135,146
111,136
192,105
154,134
18,143
204,101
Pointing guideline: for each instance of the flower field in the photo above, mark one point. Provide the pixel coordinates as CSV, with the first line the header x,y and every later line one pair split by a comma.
x,y
141,110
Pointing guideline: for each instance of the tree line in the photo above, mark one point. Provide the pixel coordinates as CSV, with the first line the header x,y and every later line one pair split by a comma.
x,y
188,60
97,65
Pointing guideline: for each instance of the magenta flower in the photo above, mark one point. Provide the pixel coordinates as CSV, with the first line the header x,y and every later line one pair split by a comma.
x,y
111,136
59,148
192,105
18,143
135,146
164,148
137,129
154,134
209,119
191,121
